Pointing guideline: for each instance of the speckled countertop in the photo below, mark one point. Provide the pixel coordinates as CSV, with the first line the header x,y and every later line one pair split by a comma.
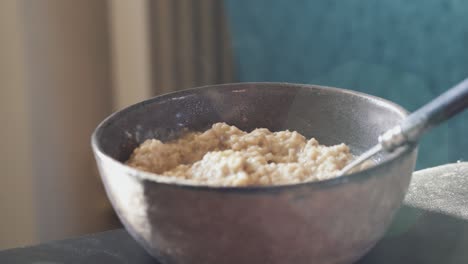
x,y
431,228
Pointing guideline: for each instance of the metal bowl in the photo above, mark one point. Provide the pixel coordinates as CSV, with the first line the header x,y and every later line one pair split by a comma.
x,y
332,221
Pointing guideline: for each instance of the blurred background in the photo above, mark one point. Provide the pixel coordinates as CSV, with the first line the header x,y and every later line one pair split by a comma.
x,y
65,65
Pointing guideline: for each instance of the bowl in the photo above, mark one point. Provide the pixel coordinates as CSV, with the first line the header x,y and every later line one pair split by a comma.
x,y
331,221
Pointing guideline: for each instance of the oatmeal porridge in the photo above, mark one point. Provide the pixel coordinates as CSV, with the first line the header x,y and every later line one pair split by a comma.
x,y
227,156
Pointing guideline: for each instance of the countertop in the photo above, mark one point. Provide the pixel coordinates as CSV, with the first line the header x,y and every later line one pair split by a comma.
x,y
431,227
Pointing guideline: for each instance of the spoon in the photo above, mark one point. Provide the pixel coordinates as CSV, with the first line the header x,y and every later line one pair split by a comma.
x,y
442,108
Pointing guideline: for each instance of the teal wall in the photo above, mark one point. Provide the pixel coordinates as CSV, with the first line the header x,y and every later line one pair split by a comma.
x,y
405,51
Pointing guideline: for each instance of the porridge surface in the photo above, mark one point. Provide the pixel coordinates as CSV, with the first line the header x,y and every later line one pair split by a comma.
x,y
227,156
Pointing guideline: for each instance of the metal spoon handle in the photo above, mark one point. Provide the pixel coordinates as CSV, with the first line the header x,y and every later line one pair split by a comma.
x,y
410,130
435,112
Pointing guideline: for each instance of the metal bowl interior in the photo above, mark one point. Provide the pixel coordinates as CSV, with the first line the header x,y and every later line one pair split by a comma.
x,y
334,221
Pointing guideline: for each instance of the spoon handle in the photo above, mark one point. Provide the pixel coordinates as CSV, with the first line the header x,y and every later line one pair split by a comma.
x,y
432,114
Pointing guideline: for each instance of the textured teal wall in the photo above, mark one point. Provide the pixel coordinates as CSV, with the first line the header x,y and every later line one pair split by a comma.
x,y
405,51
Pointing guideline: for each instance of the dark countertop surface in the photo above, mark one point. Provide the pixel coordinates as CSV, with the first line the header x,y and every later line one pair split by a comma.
x,y
430,228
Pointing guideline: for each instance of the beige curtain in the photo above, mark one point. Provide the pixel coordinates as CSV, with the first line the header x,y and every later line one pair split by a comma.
x,y
64,66
161,46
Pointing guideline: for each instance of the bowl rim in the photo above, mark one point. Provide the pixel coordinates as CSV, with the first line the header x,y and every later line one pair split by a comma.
x,y
352,177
